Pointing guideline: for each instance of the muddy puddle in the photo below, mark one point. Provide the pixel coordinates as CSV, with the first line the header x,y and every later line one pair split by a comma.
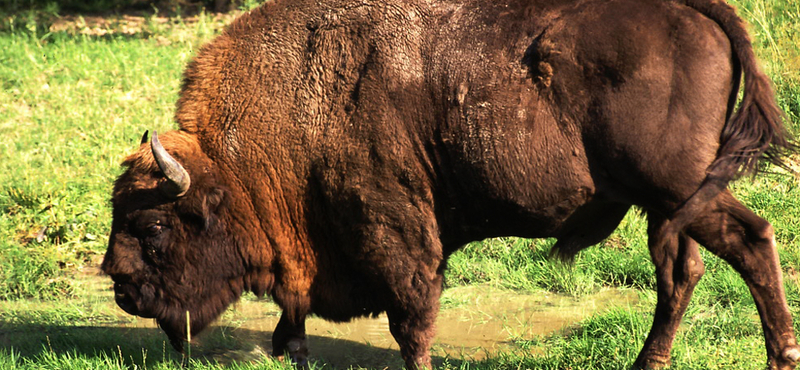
x,y
481,321
474,322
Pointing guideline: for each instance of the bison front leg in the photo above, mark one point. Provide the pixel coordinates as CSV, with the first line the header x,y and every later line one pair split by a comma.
x,y
289,339
403,254
412,319
678,269
747,242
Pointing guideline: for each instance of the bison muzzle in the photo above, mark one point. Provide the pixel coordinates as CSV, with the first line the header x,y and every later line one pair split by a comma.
x,y
332,154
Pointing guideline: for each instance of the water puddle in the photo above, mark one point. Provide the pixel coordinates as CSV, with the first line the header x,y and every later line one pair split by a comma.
x,y
474,322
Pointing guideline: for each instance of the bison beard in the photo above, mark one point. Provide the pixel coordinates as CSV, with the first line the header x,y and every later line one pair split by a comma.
x,y
173,318
332,155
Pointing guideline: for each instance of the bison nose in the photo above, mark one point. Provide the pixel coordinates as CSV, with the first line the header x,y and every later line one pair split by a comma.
x,y
134,301
129,299
124,300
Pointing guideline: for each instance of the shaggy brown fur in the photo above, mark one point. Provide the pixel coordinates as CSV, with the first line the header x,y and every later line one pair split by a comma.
x,y
339,151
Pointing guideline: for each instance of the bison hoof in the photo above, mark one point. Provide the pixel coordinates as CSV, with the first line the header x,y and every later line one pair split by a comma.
x,y
650,364
792,354
298,352
787,361
298,361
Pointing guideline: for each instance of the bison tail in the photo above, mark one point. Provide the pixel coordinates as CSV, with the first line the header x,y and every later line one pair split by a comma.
x,y
756,131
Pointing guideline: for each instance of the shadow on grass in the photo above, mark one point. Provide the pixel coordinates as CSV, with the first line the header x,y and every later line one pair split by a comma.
x,y
146,347
135,345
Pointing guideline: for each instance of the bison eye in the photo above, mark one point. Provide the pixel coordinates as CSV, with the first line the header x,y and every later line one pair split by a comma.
x,y
152,240
154,229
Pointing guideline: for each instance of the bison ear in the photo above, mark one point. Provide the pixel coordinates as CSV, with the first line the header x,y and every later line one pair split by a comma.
x,y
215,198
214,201
144,137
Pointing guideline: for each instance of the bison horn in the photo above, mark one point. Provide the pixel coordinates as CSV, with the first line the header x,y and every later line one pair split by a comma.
x,y
144,137
178,179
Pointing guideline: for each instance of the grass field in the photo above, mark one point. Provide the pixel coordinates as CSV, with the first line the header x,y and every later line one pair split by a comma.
x,y
74,102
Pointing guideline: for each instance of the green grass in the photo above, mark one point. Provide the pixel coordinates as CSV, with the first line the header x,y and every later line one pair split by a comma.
x,y
515,263
72,105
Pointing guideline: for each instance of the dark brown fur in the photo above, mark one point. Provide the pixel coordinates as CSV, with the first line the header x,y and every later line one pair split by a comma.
x,y
340,151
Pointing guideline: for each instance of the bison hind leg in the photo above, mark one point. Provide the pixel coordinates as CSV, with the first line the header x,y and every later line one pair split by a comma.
x,y
746,241
679,267
589,225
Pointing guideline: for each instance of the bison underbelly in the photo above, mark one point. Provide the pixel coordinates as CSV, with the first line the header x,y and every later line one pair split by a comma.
x,y
524,212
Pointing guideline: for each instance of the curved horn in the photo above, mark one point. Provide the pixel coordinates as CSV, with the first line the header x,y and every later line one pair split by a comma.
x,y
178,179
144,137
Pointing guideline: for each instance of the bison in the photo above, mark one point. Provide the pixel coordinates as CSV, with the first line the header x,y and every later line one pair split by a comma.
x,y
333,153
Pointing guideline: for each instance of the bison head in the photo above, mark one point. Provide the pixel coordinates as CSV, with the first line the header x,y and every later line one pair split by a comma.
x,y
170,250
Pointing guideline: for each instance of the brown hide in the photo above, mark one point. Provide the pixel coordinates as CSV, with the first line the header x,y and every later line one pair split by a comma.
x,y
339,151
